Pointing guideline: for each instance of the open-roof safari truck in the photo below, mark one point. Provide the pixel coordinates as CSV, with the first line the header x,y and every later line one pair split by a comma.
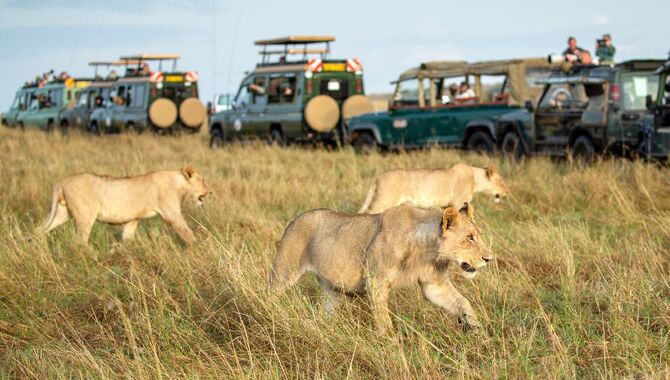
x,y
161,101
427,109
95,95
296,93
39,104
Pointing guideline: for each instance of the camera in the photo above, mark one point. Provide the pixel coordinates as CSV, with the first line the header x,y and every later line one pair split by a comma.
x,y
601,42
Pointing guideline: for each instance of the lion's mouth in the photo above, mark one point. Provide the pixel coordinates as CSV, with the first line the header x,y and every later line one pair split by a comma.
x,y
468,268
201,198
497,198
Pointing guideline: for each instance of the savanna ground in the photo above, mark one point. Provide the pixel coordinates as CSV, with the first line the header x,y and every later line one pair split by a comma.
x,y
580,287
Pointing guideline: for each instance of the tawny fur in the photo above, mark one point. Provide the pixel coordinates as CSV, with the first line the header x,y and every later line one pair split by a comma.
x,y
352,253
125,201
432,187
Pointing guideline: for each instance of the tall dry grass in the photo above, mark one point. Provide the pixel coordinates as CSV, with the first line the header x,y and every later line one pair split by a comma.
x,y
580,288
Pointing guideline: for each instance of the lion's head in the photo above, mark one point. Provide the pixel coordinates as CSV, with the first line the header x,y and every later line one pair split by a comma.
x,y
497,186
461,242
197,186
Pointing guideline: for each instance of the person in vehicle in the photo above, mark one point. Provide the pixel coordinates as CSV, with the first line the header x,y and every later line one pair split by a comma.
x,y
465,92
98,101
576,54
604,49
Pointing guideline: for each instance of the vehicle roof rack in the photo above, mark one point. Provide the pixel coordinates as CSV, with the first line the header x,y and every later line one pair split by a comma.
x,y
141,58
292,41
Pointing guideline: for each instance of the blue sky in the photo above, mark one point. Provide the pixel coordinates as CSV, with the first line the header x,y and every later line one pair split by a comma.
x,y
216,38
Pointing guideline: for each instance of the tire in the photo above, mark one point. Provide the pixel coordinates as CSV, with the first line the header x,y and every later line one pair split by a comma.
x,y
480,142
365,143
21,126
93,128
582,150
510,147
50,127
277,137
130,128
64,127
216,141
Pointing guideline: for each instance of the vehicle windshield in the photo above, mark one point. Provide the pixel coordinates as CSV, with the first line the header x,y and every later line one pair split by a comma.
x,y
15,103
407,92
564,96
635,86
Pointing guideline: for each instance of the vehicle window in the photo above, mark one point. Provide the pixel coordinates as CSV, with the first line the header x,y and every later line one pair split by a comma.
x,y
666,91
84,98
25,100
36,101
407,93
243,97
635,87
119,96
564,96
55,98
137,95
17,100
336,88
282,89
492,89
260,84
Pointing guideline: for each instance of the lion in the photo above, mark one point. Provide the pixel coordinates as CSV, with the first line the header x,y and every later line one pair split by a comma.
x,y
432,187
373,253
126,200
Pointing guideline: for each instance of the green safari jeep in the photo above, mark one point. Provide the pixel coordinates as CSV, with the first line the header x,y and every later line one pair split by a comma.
x,y
164,102
301,96
583,111
427,108
47,101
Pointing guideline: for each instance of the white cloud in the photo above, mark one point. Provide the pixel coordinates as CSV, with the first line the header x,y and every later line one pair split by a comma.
x,y
601,19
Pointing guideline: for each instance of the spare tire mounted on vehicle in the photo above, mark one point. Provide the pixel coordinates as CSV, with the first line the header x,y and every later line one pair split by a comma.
x,y
356,105
322,113
163,113
192,112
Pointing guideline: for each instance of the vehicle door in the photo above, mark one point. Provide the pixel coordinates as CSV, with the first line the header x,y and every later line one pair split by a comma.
x,y
635,87
662,114
117,110
37,103
445,121
10,116
411,117
284,103
560,106
257,107
237,122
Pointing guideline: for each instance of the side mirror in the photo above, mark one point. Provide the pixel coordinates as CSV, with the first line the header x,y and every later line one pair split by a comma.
x,y
528,105
649,102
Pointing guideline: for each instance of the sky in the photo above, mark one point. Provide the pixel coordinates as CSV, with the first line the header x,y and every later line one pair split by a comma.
x,y
215,38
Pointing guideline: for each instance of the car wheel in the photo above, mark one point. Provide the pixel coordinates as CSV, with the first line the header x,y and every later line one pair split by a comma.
x,y
277,137
510,146
93,128
130,128
21,126
216,141
364,143
63,127
583,150
50,127
480,142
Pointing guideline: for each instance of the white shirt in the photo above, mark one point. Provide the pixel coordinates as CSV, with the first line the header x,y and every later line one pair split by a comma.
x,y
469,93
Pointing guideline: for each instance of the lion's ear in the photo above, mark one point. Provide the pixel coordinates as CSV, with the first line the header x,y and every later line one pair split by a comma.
x,y
449,218
188,171
468,210
490,171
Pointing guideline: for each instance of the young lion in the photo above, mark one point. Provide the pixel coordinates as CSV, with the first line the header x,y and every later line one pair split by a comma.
x,y
89,197
373,253
432,188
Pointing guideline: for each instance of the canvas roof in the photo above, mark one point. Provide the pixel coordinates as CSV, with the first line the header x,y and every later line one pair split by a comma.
x,y
295,40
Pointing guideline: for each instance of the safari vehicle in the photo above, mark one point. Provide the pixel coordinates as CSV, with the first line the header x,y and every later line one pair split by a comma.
x,y
21,102
165,102
655,141
47,99
425,110
300,96
584,110
78,114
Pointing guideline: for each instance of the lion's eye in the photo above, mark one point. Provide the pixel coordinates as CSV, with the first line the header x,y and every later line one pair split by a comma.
x,y
471,238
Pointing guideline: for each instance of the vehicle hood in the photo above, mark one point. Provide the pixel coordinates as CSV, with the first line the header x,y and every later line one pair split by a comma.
x,y
518,115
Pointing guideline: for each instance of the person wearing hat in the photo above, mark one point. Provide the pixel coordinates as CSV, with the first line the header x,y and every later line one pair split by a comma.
x,y
604,49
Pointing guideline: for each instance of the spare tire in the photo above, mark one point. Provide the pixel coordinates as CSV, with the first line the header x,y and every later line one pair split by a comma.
x,y
356,105
163,113
322,113
192,112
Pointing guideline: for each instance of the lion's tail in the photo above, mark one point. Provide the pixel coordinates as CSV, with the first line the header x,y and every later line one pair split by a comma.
x,y
370,197
58,206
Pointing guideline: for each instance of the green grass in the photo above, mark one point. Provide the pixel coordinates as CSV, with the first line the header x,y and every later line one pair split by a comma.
x,y
580,287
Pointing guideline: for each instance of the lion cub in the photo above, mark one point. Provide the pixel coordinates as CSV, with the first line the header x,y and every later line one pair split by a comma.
x,y
90,197
373,253
432,188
